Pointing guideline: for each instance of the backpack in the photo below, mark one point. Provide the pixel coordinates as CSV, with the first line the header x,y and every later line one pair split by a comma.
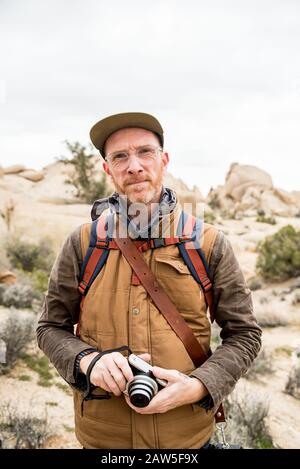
x,y
189,227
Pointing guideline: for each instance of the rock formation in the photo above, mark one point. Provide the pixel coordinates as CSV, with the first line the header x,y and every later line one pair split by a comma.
x,y
247,190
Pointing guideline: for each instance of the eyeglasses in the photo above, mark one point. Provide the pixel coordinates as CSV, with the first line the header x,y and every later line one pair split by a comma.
x,y
145,154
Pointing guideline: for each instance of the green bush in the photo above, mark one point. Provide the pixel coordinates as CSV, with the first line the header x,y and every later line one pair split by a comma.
x,y
41,365
28,256
269,220
209,217
279,255
88,188
39,279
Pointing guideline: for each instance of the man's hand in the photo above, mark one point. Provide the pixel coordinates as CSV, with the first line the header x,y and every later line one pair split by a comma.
x,y
111,372
180,390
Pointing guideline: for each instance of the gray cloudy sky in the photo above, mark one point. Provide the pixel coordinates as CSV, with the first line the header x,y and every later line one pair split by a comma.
x,y
223,77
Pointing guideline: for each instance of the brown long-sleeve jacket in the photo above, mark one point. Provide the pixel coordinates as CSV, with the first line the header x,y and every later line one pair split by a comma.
x,y
241,336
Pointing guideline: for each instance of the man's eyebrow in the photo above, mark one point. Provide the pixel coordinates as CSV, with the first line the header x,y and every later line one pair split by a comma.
x,y
126,151
117,151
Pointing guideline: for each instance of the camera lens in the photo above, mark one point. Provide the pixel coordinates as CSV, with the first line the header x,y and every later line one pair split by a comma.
x,y
141,390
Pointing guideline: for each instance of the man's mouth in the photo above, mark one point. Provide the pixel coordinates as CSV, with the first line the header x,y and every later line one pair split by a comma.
x,y
135,182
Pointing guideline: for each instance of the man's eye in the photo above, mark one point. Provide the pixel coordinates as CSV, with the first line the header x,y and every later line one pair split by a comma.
x,y
119,156
145,151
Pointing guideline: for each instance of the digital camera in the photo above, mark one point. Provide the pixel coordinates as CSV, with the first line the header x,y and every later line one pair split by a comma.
x,y
144,385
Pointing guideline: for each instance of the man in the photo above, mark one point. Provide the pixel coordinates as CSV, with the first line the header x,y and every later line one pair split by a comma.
x,y
117,310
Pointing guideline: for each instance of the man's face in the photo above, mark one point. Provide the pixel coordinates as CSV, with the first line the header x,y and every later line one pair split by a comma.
x,y
140,180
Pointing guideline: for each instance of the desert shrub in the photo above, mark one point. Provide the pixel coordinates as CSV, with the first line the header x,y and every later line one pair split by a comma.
x,y
255,284
269,220
271,315
19,431
7,213
296,299
209,217
293,384
263,364
264,300
39,280
29,257
228,215
88,188
279,255
41,365
18,296
214,201
246,420
261,212
17,332
2,290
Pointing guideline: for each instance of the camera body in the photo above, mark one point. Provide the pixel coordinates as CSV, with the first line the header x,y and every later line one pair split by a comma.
x,y
144,385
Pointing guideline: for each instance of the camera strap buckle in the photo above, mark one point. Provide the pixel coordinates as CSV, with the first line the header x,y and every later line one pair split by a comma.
x,y
222,427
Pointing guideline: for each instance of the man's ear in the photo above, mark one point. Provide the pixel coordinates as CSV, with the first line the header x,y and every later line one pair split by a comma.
x,y
106,168
165,159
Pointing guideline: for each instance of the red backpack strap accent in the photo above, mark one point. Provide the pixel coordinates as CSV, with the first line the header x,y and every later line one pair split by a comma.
x,y
96,255
194,257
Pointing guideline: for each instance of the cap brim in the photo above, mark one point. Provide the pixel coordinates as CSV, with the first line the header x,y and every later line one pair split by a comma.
x,y
104,128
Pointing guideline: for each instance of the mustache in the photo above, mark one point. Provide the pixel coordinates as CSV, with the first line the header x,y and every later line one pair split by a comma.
x,y
135,181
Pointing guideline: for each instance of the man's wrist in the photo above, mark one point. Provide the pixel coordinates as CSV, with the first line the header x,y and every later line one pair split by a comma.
x,y
78,359
200,391
86,360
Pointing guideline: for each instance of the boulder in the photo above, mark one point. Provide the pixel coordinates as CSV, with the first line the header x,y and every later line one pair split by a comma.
x,y
284,196
296,196
31,175
272,204
7,277
248,189
241,177
15,169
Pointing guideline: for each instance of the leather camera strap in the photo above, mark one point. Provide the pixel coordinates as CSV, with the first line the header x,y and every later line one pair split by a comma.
x,y
165,306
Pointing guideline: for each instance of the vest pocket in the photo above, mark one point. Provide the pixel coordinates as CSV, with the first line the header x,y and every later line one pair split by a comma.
x,y
169,266
174,275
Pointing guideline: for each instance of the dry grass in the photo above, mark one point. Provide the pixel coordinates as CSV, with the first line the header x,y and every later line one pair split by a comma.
x,y
22,431
17,333
263,364
293,384
271,314
246,416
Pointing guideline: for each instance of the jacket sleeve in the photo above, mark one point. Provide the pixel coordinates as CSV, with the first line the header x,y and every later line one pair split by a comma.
x,y
60,312
240,333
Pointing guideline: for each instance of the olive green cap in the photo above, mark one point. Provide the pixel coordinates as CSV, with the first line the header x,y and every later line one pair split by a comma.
x,y
105,127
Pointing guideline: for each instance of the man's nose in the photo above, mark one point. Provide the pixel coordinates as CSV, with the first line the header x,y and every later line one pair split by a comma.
x,y
134,165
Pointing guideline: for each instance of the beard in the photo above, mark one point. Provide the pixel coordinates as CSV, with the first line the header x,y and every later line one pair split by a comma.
x,y
143,196
141,190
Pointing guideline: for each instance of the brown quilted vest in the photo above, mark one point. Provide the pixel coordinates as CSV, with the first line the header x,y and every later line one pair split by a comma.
x,y
117,313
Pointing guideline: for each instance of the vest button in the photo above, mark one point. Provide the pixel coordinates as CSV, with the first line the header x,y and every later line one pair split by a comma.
x,y
135,311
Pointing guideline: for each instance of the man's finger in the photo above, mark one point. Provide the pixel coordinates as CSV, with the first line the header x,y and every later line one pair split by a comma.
x,y
168,375
145,356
